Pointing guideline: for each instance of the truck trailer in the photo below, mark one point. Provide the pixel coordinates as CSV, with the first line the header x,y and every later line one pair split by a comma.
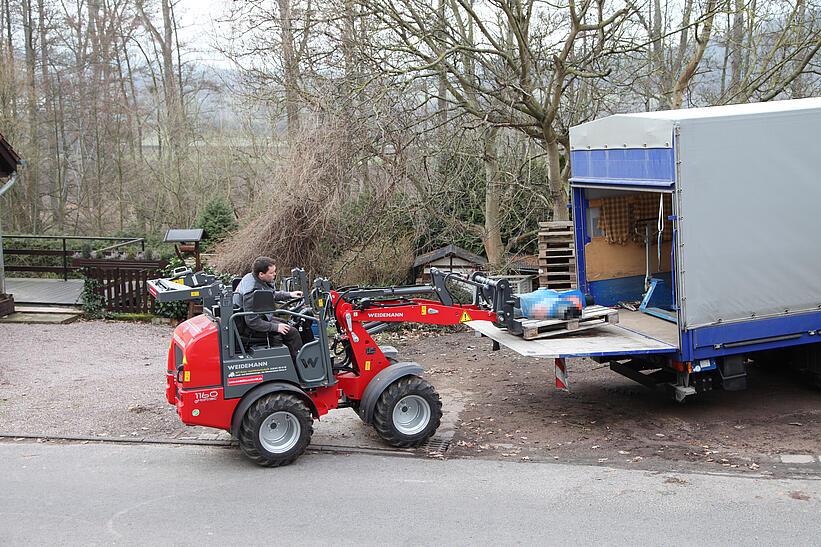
x,y
701,225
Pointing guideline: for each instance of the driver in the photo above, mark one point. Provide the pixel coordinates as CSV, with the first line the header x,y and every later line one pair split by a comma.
x,y
261,278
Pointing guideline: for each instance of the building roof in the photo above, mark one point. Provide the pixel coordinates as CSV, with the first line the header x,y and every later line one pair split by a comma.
x,y
449,250
525,263
9,160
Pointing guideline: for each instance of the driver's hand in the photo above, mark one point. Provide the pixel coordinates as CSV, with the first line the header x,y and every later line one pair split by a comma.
x,y
283,328
296,294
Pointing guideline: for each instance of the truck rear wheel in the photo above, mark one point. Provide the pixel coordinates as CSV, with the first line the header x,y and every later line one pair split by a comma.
x,y
408,412
276,430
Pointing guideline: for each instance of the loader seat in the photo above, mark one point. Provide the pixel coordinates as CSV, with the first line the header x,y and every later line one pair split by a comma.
x,y
235,281
249,337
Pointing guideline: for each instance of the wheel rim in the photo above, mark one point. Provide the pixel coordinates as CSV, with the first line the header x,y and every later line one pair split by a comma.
x,y
411,415
279,432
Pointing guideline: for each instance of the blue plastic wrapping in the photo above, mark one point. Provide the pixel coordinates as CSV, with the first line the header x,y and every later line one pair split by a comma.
x,y
549,304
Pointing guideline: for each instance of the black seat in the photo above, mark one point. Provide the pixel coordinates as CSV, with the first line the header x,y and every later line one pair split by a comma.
x,y
262,301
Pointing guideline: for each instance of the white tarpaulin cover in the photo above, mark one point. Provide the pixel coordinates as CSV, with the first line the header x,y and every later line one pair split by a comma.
x,y
749,204
622,131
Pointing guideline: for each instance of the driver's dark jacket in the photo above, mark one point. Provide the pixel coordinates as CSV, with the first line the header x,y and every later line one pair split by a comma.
x,y
244,297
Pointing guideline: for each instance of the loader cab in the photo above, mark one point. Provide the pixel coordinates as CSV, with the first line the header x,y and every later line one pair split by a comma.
x,y
250,358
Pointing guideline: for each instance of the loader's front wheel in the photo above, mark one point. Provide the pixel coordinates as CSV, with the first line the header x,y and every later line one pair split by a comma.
x,y
276,430
408,412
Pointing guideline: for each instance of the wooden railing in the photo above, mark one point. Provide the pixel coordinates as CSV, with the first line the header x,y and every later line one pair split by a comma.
x,y
63,256
122,284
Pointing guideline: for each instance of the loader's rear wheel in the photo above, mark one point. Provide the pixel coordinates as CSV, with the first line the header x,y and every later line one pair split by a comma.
x,y
408,412
276,430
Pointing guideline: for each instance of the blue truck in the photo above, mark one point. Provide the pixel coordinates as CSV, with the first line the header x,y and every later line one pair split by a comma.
x,y
701,226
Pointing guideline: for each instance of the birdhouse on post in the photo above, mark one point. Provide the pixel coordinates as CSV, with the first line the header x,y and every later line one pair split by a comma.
x,y
186,242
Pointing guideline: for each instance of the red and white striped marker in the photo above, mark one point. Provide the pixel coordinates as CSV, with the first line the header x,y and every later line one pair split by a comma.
x,y
561,374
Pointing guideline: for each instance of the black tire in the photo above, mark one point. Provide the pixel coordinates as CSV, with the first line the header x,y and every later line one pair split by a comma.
x,y
273,411
414,392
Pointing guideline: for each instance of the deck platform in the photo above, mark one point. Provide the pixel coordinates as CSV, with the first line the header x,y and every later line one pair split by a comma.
x,y
45,291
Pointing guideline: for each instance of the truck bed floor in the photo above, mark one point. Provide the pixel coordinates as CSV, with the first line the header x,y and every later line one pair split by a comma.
x,y
649,325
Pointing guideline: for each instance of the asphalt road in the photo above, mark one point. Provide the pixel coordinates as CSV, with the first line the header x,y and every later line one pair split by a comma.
x,y
100,494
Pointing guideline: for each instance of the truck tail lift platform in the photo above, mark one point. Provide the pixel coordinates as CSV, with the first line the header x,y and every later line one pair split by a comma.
x,y
220,375
703,223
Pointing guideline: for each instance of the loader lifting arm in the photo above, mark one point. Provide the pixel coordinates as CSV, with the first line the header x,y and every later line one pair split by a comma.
x,y
361,312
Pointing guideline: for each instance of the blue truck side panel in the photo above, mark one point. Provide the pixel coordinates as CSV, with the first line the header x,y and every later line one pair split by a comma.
x,y
609,292
757,335
579,204
629,167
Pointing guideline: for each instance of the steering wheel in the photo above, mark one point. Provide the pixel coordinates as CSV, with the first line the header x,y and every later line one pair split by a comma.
x,y
289,303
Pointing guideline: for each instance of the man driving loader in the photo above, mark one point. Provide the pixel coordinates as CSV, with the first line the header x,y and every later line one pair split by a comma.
x,y
261,278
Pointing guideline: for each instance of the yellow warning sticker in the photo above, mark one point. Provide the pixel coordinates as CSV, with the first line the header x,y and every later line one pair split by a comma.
x,y
367,365
321,303
195,293
186,377
424,310
465,317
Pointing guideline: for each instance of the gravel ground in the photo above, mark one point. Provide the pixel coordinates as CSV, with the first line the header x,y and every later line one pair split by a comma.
x,y
97,378
513,411
102,378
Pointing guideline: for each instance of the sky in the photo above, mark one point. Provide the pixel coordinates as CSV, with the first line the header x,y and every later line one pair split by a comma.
x,y
199,29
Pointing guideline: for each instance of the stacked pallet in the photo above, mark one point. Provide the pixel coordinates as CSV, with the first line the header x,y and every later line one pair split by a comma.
x,y
557,255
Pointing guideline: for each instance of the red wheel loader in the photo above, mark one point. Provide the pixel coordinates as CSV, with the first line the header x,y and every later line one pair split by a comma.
x,y
221,376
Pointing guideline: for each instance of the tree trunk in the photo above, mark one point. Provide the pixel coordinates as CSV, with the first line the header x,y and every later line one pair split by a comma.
x,y
737,47
290,65
702,39
32,173
492,234
557,184
50,157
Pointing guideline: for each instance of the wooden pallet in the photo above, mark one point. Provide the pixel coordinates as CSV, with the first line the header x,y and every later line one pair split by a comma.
x,y
557,225
592,316
557,255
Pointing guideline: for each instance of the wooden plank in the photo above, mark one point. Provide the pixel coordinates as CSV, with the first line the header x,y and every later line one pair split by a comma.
x,y
109,288
566,254
37,252
117,285
557,234
556,250
128,292
561,262
145,304
37,269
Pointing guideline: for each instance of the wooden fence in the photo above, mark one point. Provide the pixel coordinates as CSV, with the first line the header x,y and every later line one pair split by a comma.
x,y
122,284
